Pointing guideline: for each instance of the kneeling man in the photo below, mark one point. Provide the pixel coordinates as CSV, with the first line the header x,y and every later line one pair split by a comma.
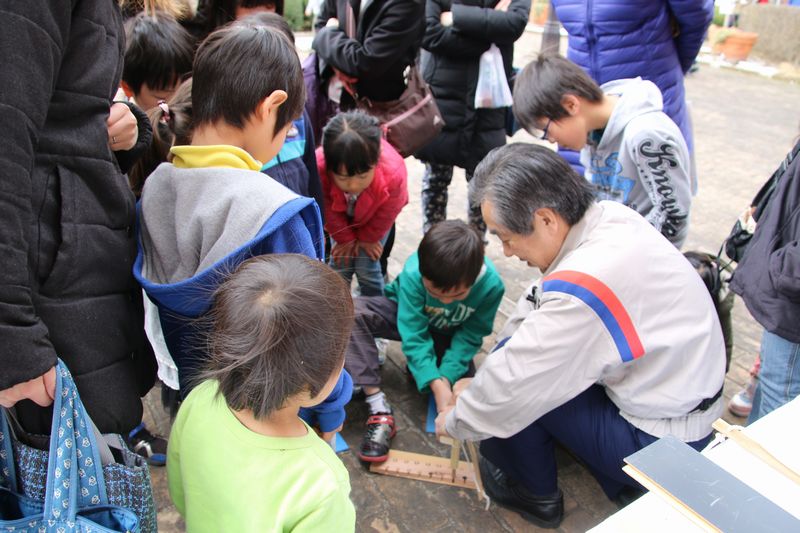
x,y
616,346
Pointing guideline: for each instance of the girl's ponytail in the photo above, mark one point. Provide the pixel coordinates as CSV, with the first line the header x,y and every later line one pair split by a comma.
x,y
172,125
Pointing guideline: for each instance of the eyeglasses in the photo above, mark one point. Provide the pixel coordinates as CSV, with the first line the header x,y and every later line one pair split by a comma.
x,y
542,134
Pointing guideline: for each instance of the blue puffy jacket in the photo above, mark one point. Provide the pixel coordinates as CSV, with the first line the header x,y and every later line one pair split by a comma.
x,y
655,39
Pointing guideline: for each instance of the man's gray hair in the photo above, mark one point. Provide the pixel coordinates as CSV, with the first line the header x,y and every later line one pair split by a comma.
x,y
520,178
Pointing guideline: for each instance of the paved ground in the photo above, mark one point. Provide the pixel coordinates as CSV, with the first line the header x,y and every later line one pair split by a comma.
x,y
744,125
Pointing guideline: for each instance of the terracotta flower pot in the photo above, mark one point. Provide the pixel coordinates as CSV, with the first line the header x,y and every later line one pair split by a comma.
x,y
737,46
539,12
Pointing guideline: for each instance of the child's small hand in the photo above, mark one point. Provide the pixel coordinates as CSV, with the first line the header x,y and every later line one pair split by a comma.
x,y
342,253
374,250
442,393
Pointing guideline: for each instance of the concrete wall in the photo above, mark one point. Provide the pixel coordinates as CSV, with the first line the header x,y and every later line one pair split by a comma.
x,y
778,28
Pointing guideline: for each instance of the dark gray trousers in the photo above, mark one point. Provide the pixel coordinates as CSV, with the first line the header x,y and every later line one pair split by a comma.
x,y
376,316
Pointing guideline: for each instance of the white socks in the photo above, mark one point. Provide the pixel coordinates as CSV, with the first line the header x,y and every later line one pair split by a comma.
x,y
378,404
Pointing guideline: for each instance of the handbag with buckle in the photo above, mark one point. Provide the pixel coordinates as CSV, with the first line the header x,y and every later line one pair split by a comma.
x,y
411,121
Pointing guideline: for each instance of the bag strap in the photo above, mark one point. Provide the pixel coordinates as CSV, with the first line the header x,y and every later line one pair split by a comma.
x,y
349,20
8,473
74,474
762,198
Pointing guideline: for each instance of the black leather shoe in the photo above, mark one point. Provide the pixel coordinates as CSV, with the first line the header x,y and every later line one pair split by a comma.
x,y
547,512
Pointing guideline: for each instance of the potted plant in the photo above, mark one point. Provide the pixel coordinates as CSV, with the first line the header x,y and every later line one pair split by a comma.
x,y
733,43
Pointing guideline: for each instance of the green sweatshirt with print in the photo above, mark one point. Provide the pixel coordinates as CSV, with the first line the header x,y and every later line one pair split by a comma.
x,y
468,321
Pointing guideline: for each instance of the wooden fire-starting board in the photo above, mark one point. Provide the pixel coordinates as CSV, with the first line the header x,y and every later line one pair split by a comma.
x,y
426,468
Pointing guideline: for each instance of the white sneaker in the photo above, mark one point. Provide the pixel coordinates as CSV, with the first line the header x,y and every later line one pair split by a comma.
x,y
742,402
383,346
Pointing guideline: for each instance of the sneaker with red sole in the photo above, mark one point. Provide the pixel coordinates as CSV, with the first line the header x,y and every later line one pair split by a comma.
x,y
378,438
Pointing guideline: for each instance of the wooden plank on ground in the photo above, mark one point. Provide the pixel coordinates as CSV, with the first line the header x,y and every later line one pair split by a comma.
x,y
425,468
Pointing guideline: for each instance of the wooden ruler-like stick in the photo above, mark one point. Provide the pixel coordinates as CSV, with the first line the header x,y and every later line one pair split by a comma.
x,y
425,468
736,434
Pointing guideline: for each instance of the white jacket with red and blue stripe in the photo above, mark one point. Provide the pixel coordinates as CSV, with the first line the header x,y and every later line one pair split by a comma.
x,y
621,307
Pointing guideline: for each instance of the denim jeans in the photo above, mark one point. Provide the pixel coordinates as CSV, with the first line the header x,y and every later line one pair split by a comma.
x,y
779,378
368,272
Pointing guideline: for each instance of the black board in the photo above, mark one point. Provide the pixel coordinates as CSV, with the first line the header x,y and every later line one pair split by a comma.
x,y
710,491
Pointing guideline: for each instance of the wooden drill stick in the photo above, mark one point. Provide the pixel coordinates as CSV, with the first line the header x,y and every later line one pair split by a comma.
x,y
735,434
472,455
455,455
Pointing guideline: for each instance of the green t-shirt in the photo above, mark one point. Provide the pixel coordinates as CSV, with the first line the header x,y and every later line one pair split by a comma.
x,y
224,477
468,321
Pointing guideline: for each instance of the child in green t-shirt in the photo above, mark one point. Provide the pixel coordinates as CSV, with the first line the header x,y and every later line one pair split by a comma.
x,y
441,306
240,458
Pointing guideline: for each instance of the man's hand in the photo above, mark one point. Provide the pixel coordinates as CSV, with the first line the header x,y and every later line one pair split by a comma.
x,y
374,250
343,253
502,5
332,23
459,387
441,431
442,393
123,130
40,390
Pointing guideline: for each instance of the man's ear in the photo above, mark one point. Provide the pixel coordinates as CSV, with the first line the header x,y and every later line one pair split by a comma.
x,y
126,89
548,219
571,104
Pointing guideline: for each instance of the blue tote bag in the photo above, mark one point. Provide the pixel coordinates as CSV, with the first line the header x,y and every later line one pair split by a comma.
x,y
79,485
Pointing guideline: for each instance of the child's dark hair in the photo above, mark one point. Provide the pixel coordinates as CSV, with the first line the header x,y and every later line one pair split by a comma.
x,y
240,65
540,87
352,140
272,21
451,255
158,51
172,125
707,266
280,325
218,13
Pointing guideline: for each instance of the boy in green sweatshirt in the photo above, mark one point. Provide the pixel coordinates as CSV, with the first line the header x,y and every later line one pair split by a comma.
x,y
441,306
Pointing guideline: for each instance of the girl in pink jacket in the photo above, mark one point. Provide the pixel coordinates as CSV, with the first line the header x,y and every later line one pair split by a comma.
x,y
364,189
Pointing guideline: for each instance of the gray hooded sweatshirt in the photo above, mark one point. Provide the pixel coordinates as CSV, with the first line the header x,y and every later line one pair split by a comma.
x,y
641,159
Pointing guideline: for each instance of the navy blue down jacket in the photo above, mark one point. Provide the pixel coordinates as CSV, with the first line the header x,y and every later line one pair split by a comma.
x,y
655,39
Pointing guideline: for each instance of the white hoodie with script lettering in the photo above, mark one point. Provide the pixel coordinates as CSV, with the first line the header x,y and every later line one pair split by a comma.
x,y
641,159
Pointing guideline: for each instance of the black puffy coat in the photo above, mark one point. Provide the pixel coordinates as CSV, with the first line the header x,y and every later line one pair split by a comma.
x,y
452,72
768,277
387,41
66,212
